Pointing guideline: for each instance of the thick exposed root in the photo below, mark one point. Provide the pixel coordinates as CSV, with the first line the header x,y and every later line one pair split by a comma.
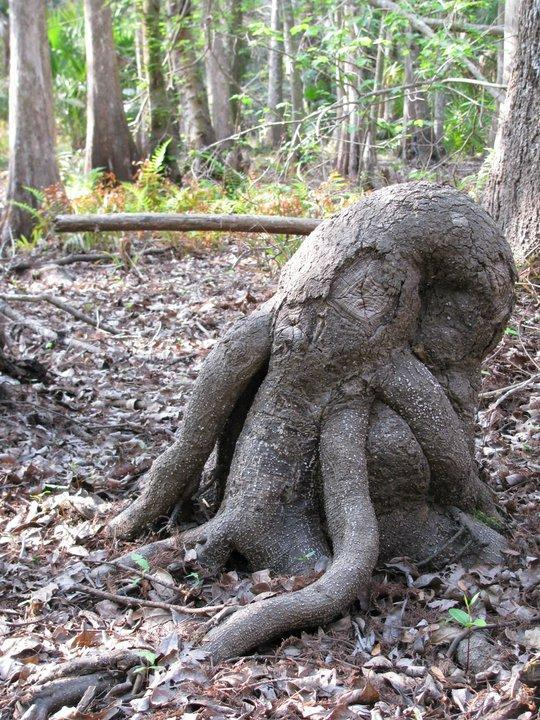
x,y
353,529
407,386
225,374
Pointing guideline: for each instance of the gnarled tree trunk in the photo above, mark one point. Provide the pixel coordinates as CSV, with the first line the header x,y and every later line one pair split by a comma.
x,y
109,144
343,409
512,194
32,133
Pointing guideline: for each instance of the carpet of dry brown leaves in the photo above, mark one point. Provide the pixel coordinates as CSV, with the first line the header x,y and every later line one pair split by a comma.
x,y
73,447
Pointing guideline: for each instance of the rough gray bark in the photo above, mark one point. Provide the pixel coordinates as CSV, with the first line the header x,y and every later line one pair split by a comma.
x,y
512,194
32,136
189,75
109,144
218,75
275,130
344,409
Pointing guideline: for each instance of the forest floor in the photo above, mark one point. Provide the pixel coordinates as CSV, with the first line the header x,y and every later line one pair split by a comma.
x,y
72,450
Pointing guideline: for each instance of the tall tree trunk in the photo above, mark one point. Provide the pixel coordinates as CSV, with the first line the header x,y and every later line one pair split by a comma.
x,y
218,75
4,34
189,75
511,22
417,141
109,143
370,150
239,58
160,114
439,104
348,160
292,43
142,138
32,133
512,194
275,130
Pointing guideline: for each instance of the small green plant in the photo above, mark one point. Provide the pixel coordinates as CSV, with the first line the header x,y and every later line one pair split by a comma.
x,y
141,561
307,556
194,578
467,621
465,618
151,659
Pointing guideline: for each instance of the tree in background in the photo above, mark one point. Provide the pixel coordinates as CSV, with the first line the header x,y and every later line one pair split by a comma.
x,y
218,71
276,130
188,73
512,195
109,144
32,135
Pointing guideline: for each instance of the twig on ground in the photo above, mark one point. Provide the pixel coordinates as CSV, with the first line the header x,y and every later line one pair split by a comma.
x,y
130,602
136,571
45,332
61,305
508,391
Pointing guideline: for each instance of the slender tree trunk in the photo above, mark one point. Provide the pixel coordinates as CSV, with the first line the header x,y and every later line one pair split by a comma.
x,y
161,118
109,144
32,134
500,76
292,44
4,33
417,140
348,161
370,150
142,134
511,22
239,58
439,104
189,74
218,73
512,194
275,131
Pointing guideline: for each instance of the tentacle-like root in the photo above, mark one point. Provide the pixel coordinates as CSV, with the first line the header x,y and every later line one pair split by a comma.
x,y
353,529
408,387
223,378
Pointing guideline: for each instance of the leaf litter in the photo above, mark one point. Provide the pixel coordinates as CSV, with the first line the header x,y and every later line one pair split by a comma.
x,y
74,446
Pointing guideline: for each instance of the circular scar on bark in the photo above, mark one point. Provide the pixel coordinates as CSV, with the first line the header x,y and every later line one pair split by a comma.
x,y
342,411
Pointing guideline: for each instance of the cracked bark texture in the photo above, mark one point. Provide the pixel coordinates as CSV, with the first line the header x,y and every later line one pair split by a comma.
x,y
342,410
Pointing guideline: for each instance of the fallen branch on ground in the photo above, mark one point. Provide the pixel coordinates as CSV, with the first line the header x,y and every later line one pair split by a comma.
x,y
40,329
131,601
61,305
23,265
272,224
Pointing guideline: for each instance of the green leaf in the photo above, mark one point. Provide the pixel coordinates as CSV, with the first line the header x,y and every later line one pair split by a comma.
x,y
460,616
479,622
148,655
141,561
511,331
474,599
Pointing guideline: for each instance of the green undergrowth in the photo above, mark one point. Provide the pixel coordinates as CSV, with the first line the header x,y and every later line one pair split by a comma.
x,y
98,192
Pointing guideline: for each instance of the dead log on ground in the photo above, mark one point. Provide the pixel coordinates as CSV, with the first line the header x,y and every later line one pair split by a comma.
x,y
134,222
